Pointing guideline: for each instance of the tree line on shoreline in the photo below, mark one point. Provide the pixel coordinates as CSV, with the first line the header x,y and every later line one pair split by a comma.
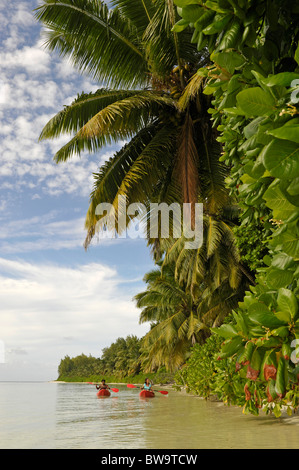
x,y
120,362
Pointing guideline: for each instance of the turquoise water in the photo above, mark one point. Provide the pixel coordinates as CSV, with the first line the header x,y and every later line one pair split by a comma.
x,y
70,416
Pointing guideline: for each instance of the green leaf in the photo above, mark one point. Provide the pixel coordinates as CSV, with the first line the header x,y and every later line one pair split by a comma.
x,y
287,302
217,25
235,111
256,360
282,79
261,80
225,331
277,278
281,159
283,316
215,5
180,26
231,346
281,261
228,60
247,352
191,13
297,55
204,20
184,3
240,323
247,179
275,199
273,394
282,331
293,188
289,241
256,102
281,378
290,131
230,36
252,128
260,314
277,410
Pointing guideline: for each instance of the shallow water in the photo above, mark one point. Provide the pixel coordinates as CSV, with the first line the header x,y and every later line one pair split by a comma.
x,y
70,416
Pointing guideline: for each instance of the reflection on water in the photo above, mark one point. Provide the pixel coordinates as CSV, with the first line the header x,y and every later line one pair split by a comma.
x,y
176,421
97,422
71,416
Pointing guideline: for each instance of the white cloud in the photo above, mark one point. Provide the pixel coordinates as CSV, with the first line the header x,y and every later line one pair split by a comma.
x,y
22,16
33,59
41,233
34,85
43,304
3,205
4,93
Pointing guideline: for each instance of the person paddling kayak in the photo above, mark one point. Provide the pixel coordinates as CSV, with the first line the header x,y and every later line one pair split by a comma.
x,y
102,385
146,389
147,385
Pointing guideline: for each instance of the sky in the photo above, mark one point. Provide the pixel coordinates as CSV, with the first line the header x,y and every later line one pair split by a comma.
x,y
56,299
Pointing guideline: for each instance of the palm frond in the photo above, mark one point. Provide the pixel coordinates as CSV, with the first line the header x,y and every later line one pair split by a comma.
x,y
98,40
139,12
119,120
74,116
213,172
150,166
136,175
111,174
191,91
165,49
127,115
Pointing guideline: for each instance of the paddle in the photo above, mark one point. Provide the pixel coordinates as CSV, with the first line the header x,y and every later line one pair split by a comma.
x,y
113,389
160,391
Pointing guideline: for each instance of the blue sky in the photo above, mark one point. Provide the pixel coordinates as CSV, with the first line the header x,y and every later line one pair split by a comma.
x,y
56,299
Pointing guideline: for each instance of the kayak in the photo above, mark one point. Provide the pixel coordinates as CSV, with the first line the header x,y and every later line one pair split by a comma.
x,y
103,393
146,394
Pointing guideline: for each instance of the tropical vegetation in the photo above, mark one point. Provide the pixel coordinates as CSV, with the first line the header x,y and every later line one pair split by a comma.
x,y
119,362
205,94
180,316
171,155
254,51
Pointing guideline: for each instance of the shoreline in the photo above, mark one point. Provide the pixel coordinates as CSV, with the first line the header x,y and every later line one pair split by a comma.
x,y
112,383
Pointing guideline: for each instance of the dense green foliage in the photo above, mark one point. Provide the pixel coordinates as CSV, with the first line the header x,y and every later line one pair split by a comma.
x,y
255,56
199,374
180,317
251,245
120,362
79,366
120,359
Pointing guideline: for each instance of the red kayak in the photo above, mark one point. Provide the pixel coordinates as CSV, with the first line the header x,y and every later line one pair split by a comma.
x,y
146,394
103,393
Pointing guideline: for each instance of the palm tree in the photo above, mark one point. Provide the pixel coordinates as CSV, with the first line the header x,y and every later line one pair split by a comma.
x,y
178,317
175,325
150,95
152,98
